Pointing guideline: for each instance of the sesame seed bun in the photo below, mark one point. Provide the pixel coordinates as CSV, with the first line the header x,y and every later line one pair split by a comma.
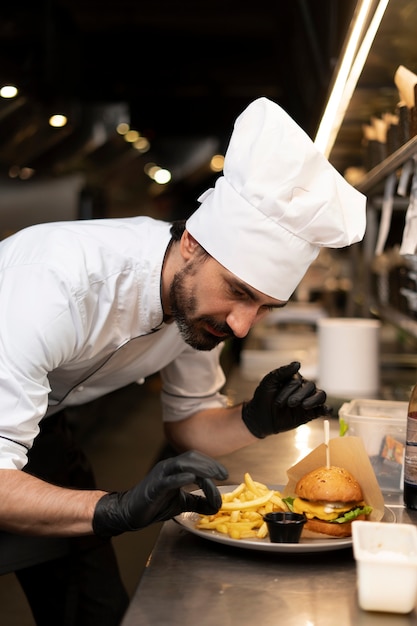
x,y
329,484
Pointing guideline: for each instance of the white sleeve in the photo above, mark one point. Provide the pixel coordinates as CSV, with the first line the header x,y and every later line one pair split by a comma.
x,y
192,382
37,332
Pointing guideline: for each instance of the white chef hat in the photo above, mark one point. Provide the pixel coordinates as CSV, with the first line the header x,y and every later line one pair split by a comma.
x,y
278,202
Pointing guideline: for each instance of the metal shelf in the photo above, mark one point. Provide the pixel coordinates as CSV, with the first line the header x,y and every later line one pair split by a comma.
x,y
389,165
370,186
396,318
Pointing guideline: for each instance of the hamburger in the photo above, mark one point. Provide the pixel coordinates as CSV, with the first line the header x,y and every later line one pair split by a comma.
x,y
331,499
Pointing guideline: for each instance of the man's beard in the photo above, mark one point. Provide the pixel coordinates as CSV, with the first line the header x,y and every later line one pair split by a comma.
x,y
183,306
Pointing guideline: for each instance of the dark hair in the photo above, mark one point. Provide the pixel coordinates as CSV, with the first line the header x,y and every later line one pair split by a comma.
x,y
177,229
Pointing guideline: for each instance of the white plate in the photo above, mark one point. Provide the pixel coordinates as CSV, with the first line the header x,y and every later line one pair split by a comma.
x,y
189,520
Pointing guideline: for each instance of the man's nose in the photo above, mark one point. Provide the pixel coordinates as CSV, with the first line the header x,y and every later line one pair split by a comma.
x,y
241,319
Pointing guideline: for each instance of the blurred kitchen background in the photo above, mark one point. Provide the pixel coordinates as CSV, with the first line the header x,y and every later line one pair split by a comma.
x,y
142,86
112,109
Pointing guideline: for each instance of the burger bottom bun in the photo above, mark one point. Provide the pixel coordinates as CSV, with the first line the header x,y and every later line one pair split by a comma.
x,y
333,529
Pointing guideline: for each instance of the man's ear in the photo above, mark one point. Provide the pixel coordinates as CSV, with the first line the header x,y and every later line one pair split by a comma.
x,y
188,245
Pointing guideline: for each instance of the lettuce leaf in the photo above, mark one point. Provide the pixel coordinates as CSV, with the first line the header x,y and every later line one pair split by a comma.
x,y
289,500
351,515
343,427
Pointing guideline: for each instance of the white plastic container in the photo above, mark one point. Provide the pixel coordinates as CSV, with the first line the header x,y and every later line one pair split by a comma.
x,y
382,425
386,565
348,364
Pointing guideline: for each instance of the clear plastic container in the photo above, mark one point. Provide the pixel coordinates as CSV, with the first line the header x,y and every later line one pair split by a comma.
x,y
382,426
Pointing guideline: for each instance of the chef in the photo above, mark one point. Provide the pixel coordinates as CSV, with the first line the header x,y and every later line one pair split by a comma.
x,y
89,307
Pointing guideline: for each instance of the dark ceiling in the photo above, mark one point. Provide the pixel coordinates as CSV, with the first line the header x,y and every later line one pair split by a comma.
x,y
184,69
180,71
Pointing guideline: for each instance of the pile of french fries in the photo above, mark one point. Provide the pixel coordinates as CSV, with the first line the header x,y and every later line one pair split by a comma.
x,y
242,511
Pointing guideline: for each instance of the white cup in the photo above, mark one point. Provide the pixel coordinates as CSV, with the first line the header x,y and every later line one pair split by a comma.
x,y
348,357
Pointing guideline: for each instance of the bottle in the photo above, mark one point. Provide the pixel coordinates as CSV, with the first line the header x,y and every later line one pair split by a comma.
x,y
410,459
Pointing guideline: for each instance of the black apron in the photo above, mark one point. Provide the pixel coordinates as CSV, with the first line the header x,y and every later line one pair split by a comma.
x,y
68,582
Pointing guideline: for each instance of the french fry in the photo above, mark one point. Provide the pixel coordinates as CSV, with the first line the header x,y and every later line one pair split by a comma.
x,y
238,505
228,497
250,485
242,511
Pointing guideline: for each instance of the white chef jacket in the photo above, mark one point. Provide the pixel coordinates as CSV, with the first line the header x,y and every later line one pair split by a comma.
x,y
80,316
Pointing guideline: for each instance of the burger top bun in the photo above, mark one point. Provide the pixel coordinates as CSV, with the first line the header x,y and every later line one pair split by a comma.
x,y
330,484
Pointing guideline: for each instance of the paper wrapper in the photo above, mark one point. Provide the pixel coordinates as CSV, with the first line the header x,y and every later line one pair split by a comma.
x,y
347,452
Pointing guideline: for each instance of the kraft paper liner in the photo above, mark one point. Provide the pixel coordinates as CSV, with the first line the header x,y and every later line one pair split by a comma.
x,y
347,452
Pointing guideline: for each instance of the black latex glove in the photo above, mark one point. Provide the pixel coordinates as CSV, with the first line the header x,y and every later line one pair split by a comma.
x,y
159,496
283,400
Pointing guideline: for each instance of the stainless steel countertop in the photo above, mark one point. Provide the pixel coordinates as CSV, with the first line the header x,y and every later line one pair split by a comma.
x,y
189,580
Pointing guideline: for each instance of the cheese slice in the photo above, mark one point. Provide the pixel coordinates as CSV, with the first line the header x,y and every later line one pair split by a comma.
x,y
326,511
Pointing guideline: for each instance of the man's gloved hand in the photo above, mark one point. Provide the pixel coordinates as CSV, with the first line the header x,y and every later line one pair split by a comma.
x,y
159,496
283,400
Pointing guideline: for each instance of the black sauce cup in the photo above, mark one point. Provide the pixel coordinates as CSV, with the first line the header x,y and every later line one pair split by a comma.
x,y
284,527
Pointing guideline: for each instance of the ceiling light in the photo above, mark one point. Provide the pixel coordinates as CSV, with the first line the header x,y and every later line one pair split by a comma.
x,y
14,171
150,169
122,128
217,163
8,91
58,120
26,173
162,176
350,69
141,144
131,136
158,174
